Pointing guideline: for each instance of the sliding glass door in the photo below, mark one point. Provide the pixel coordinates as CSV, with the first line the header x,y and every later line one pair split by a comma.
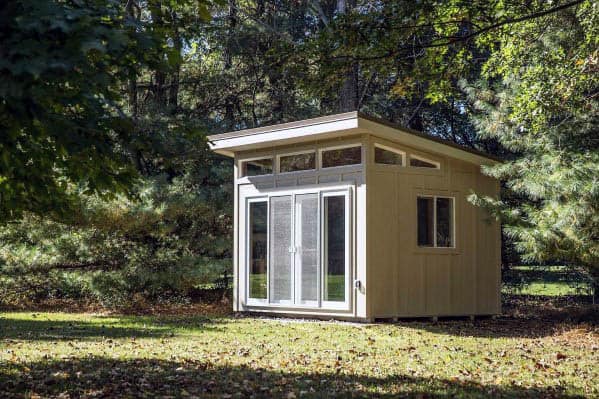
x,y
335,245
306,248
297,249
281,249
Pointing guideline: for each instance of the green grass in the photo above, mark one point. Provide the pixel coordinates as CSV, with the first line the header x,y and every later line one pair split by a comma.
x,y
545,280
49,354
336,287
258,286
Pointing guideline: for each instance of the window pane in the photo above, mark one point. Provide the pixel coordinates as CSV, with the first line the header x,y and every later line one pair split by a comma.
x,y
256,167
334,248
258,248
342,156
306,231
280,244
444,222
387,157
425,222
292,163
419,163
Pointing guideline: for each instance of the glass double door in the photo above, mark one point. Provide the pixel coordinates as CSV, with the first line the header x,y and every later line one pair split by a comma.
x,y
299,249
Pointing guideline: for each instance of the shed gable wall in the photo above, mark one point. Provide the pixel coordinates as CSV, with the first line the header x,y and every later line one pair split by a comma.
x,y
407,280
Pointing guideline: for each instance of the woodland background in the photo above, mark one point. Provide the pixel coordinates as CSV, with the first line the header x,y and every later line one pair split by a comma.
x,y
109,194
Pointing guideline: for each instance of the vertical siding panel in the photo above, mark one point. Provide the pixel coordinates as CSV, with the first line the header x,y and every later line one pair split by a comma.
x,y
383,255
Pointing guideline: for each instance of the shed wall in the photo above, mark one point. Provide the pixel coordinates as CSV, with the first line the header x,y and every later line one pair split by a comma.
x,y
352,175
406,280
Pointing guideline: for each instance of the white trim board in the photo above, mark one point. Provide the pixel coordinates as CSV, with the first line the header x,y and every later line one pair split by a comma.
x,y
337,126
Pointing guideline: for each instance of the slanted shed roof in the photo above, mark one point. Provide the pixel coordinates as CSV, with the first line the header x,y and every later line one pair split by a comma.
x,y
336,126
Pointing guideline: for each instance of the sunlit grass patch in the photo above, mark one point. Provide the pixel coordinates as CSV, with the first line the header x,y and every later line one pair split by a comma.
x,y
85,355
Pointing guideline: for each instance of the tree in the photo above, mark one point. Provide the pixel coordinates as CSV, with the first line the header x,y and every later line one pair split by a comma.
x,y
64,132
539,100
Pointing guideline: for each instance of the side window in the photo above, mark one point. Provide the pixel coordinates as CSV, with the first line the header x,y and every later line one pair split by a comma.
x,y
435,218
256,167
388,156
418,162
426,228
341,156
297,162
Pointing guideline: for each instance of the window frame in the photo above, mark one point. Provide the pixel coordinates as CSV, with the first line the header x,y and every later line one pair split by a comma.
x,y
286,154
323,191
453,222
423,159
340,147
404,155
338,305
241,161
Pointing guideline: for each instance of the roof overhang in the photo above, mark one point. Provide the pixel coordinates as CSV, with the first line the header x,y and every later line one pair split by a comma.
x,y
337,126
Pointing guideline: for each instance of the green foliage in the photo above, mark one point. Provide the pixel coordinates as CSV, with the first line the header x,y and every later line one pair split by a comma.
x,y
104,106
167,242
525,76
61,63
543,107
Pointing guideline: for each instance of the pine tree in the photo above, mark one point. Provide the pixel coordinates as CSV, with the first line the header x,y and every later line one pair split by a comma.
x,y
539,100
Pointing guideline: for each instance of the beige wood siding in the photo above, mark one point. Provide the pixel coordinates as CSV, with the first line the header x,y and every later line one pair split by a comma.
x,y
406,280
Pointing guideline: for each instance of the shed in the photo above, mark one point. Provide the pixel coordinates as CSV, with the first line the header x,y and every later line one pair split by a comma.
x,y
351,217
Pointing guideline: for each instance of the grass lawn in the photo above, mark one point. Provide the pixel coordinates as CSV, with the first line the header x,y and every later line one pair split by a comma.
x,y
74,355
546,280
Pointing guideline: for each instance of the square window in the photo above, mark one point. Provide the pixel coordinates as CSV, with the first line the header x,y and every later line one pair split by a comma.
x,y
297,162
256,167
435,218
342,156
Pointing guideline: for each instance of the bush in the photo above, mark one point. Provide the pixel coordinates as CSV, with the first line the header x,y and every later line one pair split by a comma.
x,y
170,240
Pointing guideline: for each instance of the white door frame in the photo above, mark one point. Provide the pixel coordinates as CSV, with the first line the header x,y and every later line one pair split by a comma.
x,y
322,191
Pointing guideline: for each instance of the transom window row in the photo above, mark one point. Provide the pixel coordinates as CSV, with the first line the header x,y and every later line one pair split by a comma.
x,y
304,160
330,158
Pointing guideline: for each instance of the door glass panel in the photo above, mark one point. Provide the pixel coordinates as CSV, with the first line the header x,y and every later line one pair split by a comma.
x,y
306,233
281,272
334,248
258,250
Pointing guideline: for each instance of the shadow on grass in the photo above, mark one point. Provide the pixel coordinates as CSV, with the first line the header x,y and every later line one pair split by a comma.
x,y
55,330
533,317
101,377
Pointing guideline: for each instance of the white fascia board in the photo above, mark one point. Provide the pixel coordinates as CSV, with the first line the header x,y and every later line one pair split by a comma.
x,y
425,144
284,135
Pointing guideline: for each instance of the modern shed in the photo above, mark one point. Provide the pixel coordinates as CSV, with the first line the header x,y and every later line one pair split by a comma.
x,y
350,217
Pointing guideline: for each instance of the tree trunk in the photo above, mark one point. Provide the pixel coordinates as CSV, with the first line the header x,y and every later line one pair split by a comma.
x,y
594,273
348,93
228,64
132,84
159,89
173,95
